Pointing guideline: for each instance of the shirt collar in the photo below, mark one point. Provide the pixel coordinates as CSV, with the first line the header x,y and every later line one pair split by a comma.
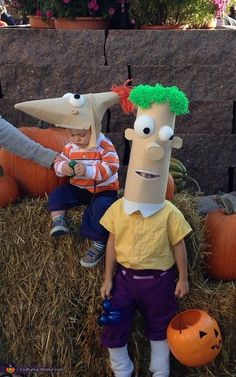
x,y
146,209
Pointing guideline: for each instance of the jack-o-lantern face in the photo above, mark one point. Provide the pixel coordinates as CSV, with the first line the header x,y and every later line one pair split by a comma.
x,y
10,369
194,338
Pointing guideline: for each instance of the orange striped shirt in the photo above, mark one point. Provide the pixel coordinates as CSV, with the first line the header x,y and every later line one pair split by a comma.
x,y
101,163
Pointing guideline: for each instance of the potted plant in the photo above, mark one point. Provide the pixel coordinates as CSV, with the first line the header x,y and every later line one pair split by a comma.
x,y
155,13
170,13
198,14
85,14
38,12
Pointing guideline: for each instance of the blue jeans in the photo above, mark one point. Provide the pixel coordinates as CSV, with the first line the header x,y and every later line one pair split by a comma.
x,y
68,196
6,17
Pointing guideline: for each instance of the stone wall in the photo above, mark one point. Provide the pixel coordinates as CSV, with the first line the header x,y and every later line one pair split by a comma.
x,y
38,64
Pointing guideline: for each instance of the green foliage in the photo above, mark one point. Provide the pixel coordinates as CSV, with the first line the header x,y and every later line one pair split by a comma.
x,y
197,13
194,13
25,7
156,12
41,8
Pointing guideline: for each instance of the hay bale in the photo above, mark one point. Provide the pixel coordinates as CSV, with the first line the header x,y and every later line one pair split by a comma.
x,y
50,304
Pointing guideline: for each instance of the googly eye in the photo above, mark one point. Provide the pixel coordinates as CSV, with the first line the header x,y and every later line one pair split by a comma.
x,y
166,133
67,95
76,100
144,126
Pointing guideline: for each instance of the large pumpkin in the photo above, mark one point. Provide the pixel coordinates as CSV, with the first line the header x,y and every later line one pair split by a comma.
x,y
32,178
9,191
221,245
194,338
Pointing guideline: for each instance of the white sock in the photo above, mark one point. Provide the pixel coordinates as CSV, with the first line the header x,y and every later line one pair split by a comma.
x,y
100,246
121,364
160,358
59,217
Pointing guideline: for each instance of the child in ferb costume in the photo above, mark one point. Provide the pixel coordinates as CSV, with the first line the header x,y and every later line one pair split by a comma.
x,y
146,263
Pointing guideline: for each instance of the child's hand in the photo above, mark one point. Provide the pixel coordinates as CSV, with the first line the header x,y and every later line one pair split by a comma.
x,y
80,169
66,169
106,288
182,288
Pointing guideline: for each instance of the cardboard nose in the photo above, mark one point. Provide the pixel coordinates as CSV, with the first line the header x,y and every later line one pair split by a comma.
x,y
155,151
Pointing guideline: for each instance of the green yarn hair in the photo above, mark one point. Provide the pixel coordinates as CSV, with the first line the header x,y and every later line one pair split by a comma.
x,y
145,95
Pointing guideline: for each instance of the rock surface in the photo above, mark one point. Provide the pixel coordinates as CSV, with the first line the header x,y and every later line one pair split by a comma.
x,y
38,64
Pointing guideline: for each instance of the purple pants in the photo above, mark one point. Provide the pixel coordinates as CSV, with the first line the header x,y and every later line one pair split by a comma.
x,y
151,292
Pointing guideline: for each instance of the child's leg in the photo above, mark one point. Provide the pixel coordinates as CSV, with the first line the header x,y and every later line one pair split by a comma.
x,y
59,224
121,364
59,200
158,303
57,213
115,337
92,229
160,358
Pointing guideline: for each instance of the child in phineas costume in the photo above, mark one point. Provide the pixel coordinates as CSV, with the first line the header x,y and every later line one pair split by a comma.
x,y
94,173
146,263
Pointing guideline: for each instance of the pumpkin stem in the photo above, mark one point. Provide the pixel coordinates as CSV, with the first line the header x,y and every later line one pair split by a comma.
x,y
199,191
227,203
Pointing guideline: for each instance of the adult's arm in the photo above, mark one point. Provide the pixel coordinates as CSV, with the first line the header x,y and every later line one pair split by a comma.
x,y
16,142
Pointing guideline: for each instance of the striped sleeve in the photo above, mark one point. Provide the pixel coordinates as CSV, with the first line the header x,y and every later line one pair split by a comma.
x,y
109,163
60,160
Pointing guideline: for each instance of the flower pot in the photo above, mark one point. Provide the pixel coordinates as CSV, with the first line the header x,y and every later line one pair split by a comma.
x,y
89,23
39,23
219,22
211,24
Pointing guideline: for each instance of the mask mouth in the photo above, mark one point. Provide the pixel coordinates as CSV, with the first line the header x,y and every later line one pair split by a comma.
x,y
216,346
146,174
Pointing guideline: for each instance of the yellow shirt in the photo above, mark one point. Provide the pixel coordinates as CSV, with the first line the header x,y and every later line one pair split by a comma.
x,y
145,243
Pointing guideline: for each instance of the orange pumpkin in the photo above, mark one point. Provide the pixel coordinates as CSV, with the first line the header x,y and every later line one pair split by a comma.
x,y
170,190
32,178
9,191
194,338
221,241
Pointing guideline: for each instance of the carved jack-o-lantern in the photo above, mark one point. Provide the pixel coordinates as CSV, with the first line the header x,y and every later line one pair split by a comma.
x,y
194,338
10,369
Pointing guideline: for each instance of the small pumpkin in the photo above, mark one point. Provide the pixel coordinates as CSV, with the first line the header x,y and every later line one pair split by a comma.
x,y
170,189
9,191
194,338
221,243
32,178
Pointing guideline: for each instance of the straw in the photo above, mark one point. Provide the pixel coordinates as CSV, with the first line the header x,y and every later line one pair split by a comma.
x,y
50,304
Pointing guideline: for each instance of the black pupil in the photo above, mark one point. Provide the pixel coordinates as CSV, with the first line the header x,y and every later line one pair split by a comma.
x,y
77,96
146,130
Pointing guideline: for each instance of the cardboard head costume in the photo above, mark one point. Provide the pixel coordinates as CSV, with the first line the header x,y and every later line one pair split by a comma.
x,y
152,141
77,111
